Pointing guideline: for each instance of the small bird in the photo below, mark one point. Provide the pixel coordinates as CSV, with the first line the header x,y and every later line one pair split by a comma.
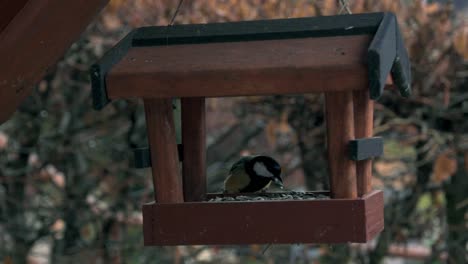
x,y
253,174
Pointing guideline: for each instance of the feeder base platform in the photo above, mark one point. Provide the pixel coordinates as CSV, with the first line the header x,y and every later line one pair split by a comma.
x,y
264,222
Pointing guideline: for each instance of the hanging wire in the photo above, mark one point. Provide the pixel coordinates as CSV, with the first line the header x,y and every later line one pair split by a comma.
x,y
344,7
175,13
172,22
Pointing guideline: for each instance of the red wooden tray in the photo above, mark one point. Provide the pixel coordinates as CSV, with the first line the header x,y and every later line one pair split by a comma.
x,y
261,222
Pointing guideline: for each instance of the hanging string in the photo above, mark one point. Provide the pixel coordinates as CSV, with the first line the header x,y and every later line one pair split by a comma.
x,y
175,13
172,20
344,7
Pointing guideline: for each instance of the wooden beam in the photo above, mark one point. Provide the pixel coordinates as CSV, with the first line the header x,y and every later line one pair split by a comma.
x,y
363,127
374,219
340,130
163,147
264,222
33,41
194,142
285,66
8,10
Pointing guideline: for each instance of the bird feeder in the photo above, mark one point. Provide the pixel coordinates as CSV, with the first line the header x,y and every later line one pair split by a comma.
x,y
349,58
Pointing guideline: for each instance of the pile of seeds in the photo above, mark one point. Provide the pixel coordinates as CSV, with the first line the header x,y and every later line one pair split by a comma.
x,y
279,196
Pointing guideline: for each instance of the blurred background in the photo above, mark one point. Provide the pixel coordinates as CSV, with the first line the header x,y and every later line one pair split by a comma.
x,y
69,195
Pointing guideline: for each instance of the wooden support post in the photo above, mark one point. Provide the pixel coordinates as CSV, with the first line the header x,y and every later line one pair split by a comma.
x,y
163,147
340,130
194,144
363,128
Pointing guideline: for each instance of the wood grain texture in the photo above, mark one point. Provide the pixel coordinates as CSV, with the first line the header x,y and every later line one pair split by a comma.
x,y
363,128
163,146
374,218
306,221
285,66
34,40
8,10
194,142
340,130
149,223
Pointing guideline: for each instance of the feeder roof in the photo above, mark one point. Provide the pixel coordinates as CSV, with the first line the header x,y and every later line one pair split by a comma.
x,y
281,56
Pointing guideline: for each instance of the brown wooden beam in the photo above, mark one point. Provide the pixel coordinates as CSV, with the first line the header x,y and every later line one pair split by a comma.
x,y
287,66
194,142
340,130
8,10
163,147
363,128
33,41
272,222
374,218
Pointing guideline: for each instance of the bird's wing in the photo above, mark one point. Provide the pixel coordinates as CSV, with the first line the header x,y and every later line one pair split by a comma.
x,y
240,164
236,182
238,178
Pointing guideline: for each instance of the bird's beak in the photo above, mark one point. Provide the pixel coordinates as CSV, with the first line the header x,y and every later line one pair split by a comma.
x,y
278,182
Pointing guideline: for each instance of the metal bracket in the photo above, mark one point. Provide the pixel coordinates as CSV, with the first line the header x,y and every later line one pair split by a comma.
x,y
365,148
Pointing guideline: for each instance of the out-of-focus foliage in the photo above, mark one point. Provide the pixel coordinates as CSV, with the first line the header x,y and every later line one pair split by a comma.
x,y
68,195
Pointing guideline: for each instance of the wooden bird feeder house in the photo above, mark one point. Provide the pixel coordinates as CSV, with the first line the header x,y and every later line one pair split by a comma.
x,y
349,58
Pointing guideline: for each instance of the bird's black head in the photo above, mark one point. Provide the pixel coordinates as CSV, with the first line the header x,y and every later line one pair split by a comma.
x,y
264,166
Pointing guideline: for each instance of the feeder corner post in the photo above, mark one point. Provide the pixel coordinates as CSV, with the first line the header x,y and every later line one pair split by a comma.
x,y
163,150
340,131
363,127
194,148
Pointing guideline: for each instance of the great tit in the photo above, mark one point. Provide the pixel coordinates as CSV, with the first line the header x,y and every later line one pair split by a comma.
x,y
253,174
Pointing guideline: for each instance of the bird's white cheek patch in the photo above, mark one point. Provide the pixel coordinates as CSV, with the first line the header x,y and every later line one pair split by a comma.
x,y
261,170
